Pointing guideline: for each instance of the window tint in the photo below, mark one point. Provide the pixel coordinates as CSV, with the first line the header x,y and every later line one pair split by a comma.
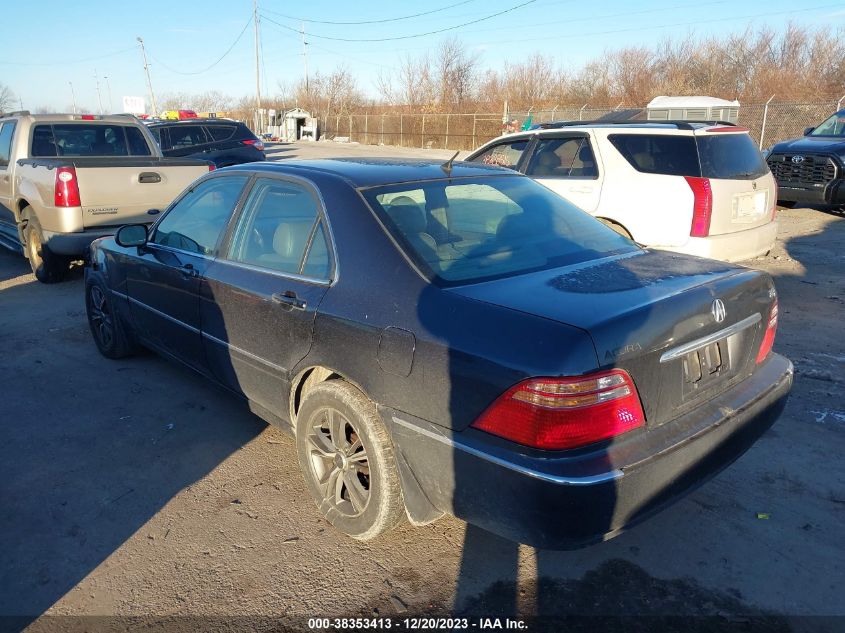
x,y
279,229
659,154
195,223
729,155
563,158
495,227
76,139
221,132
834,126
7,130
504,154
182,136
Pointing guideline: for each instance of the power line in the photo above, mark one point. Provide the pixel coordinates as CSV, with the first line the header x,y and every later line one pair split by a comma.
x,y
382,21
220,59
73,61
407,37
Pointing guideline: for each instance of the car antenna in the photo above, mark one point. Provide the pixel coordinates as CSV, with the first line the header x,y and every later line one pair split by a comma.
x,y
447,166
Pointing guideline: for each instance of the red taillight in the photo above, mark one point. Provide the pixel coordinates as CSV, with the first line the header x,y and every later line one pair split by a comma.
x,y
775,201
212,167
769,336
561,413
256,143
88,117
702,206
67,188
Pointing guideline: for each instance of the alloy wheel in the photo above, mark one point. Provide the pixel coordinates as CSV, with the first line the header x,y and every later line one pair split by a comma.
x,y
101,317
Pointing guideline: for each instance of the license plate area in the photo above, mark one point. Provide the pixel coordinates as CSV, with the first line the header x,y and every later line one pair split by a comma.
x,y
705,367
749,207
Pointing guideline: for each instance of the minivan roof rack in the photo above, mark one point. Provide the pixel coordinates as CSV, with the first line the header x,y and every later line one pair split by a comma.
x,y
681,125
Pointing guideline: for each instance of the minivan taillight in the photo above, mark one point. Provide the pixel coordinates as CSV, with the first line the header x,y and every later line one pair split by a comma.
x,y
769,336
256,143
702,206
67,188
562,413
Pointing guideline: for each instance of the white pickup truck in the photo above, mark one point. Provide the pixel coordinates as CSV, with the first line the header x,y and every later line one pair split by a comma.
x,y
67,179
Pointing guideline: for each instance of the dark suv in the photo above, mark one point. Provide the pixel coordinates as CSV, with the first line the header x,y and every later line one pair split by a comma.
x,y
221,141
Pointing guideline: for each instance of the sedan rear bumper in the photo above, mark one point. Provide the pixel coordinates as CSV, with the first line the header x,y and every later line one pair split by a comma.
x,y
733,247
550,501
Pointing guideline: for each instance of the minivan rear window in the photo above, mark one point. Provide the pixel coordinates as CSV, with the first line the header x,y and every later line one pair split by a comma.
x,y
81,139
729,156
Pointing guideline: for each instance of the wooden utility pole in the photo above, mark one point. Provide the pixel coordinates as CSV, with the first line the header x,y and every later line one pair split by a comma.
x,y
149,81
305,62
257,67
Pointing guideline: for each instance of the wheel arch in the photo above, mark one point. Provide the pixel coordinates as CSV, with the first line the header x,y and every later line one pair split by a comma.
x,y
615,225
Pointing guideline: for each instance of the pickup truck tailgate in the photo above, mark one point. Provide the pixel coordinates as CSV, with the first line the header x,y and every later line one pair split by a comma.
x,y
115,191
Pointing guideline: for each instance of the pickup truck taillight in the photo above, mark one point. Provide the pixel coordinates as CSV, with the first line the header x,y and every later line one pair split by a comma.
x,y
702,205
562,413
67,188
256,143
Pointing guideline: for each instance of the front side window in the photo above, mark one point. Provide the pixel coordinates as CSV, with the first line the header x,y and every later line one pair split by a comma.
x,y
7,131
494,227
504,154
197,220
281,229
834,126
570,157
84,139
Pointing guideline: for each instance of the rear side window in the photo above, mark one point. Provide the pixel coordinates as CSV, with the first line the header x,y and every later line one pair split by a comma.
x,y
75,139
731,156
570,157
504,154
7,131
280,229
221,132
665,154
182,136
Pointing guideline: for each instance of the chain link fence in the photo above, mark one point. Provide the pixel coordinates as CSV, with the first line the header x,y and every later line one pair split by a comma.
x,y
767,123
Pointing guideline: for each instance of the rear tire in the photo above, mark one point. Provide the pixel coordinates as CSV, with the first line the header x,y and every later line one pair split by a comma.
x,y
787,204
47,267
348,462
110,334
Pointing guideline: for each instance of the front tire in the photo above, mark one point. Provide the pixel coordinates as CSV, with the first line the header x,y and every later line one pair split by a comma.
x,y
348,462
107,328
47,266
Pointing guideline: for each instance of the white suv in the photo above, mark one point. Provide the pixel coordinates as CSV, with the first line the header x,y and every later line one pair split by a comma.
x,y
697,188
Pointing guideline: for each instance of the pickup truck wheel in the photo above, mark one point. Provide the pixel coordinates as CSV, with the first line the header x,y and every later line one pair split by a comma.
x,y
46,265
106,325
347,458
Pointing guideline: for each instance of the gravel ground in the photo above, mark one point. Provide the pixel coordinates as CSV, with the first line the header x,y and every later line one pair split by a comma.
x,y
136,488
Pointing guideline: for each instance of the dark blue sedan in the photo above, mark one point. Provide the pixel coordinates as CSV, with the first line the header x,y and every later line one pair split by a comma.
x,y
450,338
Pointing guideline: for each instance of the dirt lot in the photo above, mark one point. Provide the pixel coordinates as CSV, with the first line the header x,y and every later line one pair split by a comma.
x,y
137,488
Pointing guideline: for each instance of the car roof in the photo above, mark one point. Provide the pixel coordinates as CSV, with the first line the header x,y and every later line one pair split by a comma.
x,y
371,172
195,120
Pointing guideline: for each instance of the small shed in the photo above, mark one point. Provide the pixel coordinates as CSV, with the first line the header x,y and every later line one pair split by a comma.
x,y
293,125
692,109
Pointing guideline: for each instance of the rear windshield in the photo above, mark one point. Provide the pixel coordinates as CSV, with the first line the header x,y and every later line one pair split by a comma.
x,y
466,230
716,155
84,139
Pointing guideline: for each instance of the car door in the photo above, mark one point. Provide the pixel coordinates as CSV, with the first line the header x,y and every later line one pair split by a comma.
x,y
163,281
567,164
222,148
259,299
8,225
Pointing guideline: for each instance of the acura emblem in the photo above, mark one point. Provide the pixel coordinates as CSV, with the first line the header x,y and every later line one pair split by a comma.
x,y
718,310
797,159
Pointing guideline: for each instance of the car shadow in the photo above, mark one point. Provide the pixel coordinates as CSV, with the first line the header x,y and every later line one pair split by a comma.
x,y
93,448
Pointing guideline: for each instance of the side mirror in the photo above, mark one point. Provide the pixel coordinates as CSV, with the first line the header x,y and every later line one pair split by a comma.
x,y
131,235
807,130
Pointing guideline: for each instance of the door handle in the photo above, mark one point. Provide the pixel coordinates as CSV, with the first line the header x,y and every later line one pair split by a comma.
x,y
288,298
148,177
188,271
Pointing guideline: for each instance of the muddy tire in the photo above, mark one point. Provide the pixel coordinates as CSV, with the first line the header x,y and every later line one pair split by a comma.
x,y
47,266
107,328
348,462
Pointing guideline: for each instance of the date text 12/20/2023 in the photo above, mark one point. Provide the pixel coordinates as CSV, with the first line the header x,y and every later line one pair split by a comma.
x,y
415,624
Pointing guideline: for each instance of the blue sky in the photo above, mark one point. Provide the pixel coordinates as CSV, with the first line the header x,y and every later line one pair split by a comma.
x,y
78,39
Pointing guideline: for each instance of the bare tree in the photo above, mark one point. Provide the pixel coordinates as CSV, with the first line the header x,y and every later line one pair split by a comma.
x,y
7,98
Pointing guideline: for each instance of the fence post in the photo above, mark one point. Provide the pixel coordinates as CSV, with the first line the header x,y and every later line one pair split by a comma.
x,y
473,130
401,135
382,127
337,125
553,112
839,103
765,116
581,112
350,128
422,140
366,128
446,143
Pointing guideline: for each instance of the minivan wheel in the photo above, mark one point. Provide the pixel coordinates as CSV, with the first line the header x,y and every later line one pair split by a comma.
x,y
347,459
107,328
47,267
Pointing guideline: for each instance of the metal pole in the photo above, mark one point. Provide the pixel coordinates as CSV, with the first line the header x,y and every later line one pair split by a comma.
x,y
99,99
108,87
366,129
72,96
350,128
839,103
553,112
382,128
618,106
305,63
446,144
149,81
765,115
422,143
257,67
581,112
401,135
474,116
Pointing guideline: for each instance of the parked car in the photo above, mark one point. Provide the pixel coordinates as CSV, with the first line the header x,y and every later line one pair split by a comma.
x,y
178,115
224,142
811,169
66,179
450,339
696,188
